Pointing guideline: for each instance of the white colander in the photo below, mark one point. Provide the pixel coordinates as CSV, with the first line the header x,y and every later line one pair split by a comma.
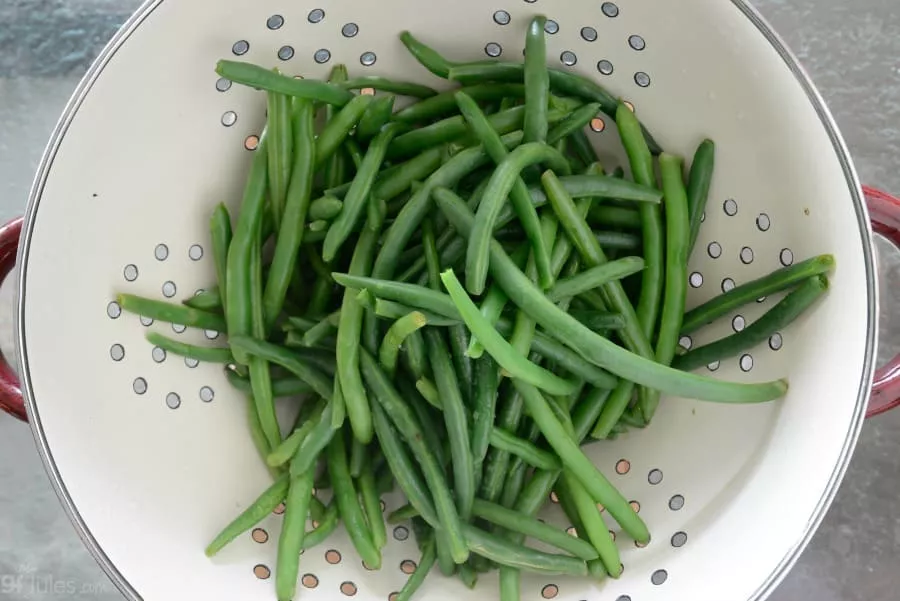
x,y
151,455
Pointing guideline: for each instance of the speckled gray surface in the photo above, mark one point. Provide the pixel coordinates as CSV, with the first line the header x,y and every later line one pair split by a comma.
x,y
849,48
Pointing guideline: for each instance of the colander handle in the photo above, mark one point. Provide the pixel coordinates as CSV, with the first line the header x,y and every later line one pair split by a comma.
x,y
884,211
11,399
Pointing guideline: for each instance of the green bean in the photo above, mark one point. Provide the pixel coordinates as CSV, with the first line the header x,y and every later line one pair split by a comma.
x,y
618,240
450,130
775,319
339,413
415,359
317,509
615,216
484,403
699,182
377,116
582,147
220,237
467,575
382,84
280,149
601,351
286,359
458,336
298,324
516,521
293,529
283,453
338,128
777,281
321,330
592,526
503,552
290,235
408,294
599,320
171,313
579,465
402,514
595,277
348,344
395,338
455,421
348,504
561,82
577,121
518,192
427,56
417,578
429,392
372,507
495,301
200,353
677,251
502,182
417,208
433,434
389,184
261,78
432,260
320,225
532,455
206,300
502,352
319,436
537,81
280,387
252,515
409,428
402,466
327,525
445,103
355,201
358,453
391,310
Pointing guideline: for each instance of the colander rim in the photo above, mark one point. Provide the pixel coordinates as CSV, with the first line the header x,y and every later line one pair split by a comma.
x,y
146,9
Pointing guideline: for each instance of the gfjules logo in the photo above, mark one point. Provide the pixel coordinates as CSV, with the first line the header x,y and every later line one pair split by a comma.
x,y
26,582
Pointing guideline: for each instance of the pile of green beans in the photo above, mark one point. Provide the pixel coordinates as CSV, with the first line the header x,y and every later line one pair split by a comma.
x,y
458,297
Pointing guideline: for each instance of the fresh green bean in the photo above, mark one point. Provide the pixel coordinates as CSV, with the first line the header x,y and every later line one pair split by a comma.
x,y
348,504
261,78
775,319
618,240
497,191
293,529
319,436
355,201
503,552
401,415
327,525
282,387
372,506
434,435
358,454
292,362
577,121
389,184
417,578
699,182
321,330
417,208
402,514
484,403
395,337
390,310
338,128
402,466
601,351
376,116
392,86
427,56
280,149
502,352
598,320
532,455
450,130
777,281
320,225
467,575
220,237
595,277
252,515
408,294
518,193
537,82
516,521
495,300
171,313
283,453
206,300
458,336
339,412
582,147
182,349
615,216
445,103
592,525
429,392
415,360
455,420
290,235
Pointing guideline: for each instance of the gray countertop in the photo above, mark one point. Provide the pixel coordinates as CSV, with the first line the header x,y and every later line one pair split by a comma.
x,y
849,48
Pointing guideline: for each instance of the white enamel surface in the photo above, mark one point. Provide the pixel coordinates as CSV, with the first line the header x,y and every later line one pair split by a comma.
x,y
146,158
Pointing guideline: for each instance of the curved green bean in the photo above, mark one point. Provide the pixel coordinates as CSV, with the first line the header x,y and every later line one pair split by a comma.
x,y
502,181
503,552
182,349
777,281
429,392
261,78
292,362
414,295
338,129
520,447
395,337
591,524
577,121
699,182
417,578
207,300
252,515
327,525
427,56
595,277
376,116
348,504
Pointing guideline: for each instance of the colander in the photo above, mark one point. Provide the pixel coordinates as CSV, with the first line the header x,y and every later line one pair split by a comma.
x,y
150,454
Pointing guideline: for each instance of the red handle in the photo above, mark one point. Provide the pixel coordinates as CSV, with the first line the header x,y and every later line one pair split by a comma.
x,y
884,211
11,399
